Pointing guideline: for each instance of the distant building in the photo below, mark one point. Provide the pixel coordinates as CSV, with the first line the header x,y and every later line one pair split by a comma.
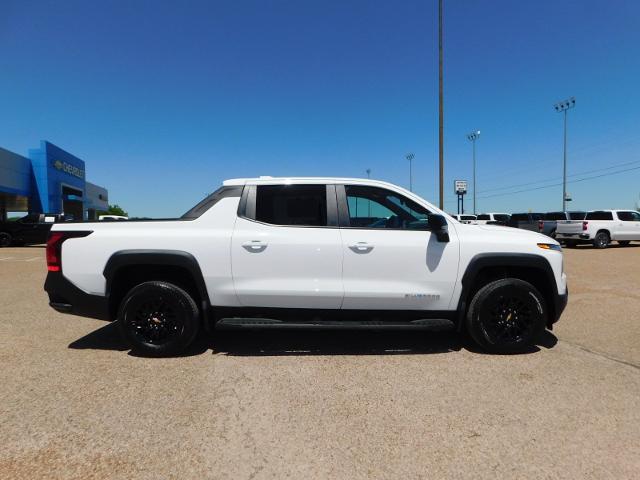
x,y
49,180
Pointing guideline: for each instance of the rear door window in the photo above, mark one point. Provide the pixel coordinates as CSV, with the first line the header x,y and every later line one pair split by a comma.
x,y
629,216
599,215
292,205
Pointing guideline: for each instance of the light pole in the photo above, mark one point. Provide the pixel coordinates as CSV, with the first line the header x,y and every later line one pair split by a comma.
x,y
472,137
563,106
410,157
440,108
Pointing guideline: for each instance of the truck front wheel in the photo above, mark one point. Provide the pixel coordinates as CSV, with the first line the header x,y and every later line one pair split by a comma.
x,y
506,316
5,239
158,319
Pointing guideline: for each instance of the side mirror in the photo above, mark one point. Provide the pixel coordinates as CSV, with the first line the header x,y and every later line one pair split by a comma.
x,y
438,225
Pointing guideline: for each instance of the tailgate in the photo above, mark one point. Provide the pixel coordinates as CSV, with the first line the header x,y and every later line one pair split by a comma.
x,y
571,227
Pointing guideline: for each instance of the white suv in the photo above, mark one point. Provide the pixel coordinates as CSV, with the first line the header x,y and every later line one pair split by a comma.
x,y
600,227
304,252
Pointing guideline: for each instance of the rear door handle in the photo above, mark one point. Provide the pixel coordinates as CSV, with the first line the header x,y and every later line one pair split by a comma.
x,y
254,246
361,247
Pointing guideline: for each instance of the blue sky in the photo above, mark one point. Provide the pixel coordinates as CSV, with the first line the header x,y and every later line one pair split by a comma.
x,y
164,101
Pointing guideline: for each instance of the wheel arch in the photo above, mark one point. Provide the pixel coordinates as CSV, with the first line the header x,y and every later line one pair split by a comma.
x,y
486,267
127,268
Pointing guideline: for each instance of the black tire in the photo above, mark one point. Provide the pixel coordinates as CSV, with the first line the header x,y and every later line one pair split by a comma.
x,y
624,243
601,240
158,319
5,239
553,234
507,316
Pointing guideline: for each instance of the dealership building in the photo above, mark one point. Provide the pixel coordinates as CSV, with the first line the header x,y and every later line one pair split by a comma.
x,y
48,180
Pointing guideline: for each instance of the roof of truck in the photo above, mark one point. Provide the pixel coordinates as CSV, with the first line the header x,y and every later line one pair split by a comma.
x,y
266,180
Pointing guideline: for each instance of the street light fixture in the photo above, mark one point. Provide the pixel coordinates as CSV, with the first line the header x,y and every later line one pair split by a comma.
x,y
472,137
563,106
410,157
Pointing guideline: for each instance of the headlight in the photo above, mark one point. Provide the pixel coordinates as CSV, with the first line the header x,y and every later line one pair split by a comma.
x,y
550,246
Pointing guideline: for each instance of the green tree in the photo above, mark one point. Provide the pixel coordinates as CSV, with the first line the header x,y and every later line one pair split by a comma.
x,y
114,210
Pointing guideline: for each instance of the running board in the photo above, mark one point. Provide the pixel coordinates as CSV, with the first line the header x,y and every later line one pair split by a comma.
x,y
435,324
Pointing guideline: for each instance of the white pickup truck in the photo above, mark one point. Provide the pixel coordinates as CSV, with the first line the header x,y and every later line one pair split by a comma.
x,y
307,252
600,228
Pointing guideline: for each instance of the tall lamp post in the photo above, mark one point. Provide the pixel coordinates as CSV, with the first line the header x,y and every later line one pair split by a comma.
x,y
410,157
563,106
472,137
440,108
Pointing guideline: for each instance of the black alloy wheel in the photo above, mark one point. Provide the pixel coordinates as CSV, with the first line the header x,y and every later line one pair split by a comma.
x,y
507,316
158,319
601,240
5,239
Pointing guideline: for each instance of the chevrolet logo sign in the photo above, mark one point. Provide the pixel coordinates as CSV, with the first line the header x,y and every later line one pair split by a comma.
x,y
68,168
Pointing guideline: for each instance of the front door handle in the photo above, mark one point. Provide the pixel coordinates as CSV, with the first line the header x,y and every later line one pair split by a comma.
x,y
255,246
361,247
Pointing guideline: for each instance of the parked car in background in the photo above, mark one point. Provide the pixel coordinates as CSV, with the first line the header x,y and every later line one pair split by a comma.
x,y
601,227
111,218
493,218
30,229
526,221
466,218
549,223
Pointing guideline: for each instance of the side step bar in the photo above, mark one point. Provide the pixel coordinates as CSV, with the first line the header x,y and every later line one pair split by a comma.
x,y
435,324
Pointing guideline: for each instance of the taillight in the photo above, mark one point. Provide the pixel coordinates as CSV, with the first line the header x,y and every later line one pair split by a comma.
x,y
54,248
540,225
584,226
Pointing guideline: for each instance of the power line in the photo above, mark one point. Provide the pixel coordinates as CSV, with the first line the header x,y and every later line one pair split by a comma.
x,y
558,184
554,178
592,147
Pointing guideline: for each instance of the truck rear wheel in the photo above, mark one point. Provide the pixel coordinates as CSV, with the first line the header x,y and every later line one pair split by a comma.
x,y
506,316
5,239
601,240
158,319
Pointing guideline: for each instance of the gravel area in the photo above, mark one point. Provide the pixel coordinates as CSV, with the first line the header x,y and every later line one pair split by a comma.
x,y
74,404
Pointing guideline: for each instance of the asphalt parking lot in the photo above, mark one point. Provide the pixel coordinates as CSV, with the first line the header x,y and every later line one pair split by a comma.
x,y
330,404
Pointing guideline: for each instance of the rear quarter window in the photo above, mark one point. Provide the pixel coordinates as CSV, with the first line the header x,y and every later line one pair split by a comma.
x,y
599,216
211,200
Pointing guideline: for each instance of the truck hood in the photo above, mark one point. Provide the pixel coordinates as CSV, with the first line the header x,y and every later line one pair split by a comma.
x,y
509,232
